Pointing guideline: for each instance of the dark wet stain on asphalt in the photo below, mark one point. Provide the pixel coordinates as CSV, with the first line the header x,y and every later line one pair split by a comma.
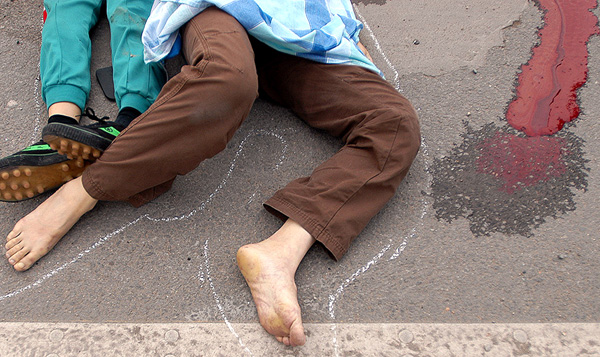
x,y
506,182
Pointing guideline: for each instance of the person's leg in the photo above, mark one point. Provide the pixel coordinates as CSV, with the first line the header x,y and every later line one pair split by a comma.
x,y
193,118
68,109
66,52
136,86
269,268
136,83
37,233
381,138
64,70
380,133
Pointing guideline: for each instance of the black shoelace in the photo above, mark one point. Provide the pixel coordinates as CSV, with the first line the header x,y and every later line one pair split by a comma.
x,y
89,113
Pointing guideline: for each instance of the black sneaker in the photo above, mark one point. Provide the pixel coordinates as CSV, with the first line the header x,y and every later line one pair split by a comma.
x,y
81,141
34,170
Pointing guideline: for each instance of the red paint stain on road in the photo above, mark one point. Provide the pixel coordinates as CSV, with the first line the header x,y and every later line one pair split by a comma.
x,y
546,99
520,162
546,94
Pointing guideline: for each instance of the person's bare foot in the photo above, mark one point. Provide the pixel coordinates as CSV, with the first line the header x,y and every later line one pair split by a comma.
x,y
38,232
269,268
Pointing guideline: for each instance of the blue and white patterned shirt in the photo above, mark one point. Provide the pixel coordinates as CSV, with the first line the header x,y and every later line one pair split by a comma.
x,y
324,31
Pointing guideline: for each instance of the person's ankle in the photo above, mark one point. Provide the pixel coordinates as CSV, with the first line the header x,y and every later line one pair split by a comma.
x,y
67,109
126,116
64,119
79,195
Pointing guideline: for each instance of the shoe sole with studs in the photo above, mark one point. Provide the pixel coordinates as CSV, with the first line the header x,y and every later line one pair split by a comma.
x,y
19,183
73,149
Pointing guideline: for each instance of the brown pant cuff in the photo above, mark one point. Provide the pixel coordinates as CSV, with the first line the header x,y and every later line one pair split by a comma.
x,y
91,187
137,200
283,209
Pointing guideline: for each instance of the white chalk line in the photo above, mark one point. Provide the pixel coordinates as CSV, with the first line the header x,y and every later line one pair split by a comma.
x,y
35,134
333,298
206,274
396,81
167,219
52,273
218,300
228,175
203,205
201,275
37,122
340,290
425,203
251,199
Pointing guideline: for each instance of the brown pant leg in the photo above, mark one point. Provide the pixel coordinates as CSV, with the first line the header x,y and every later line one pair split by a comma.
x,y
193,118
380,132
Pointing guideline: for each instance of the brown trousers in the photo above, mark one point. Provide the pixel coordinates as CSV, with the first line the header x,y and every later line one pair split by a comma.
x,y
198,111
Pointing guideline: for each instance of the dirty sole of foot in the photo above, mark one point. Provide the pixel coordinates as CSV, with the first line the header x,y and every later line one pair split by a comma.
x,y
23,182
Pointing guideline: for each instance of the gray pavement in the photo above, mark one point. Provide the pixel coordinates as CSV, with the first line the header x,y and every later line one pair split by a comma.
x,y
378,339
452,258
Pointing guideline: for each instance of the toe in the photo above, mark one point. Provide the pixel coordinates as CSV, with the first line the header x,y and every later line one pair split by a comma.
x,y
16,254
21,266
14,233
27,261
12,243
297,336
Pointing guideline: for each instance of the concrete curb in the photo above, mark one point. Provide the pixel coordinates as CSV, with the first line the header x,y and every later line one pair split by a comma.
x,y
249,339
